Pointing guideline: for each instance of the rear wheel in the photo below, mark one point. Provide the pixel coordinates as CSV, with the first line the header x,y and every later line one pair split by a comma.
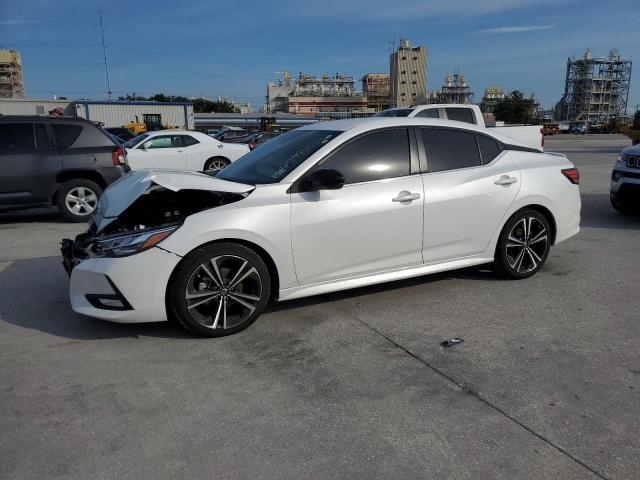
x,y
219,289
523,246
215,164
77,199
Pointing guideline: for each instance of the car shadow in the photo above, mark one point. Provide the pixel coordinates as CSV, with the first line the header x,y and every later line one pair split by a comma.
x,y
36,296
49,215
597,212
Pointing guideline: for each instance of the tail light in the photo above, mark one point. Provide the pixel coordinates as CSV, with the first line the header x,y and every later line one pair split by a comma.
x,y
251,145
119,156
542,135
572,174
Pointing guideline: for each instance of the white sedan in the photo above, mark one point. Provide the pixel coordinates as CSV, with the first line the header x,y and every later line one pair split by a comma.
x,y
326,207
181,150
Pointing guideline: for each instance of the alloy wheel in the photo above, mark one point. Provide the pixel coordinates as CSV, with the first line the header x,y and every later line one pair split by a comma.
x,y
216,165
81,201
527,245
223,292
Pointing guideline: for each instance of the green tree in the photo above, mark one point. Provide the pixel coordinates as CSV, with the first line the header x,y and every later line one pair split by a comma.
x,y
200,105
515,108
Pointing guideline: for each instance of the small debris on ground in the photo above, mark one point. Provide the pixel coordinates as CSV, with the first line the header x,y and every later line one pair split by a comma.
x,y
451,342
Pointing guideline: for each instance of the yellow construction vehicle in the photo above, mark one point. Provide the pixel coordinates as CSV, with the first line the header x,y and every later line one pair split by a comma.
x,y
150,123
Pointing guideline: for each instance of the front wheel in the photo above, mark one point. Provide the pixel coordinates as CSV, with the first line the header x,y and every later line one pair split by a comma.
x,y
219,289
215,164
523,245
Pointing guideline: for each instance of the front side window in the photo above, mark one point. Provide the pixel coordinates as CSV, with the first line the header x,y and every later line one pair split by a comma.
x,y
374,156
460,114
164,141
66,134
136,140
449,149
428,113
276,158
16,136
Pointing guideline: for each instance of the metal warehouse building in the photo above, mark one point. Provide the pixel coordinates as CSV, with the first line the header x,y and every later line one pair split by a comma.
x,y
251,121
112,114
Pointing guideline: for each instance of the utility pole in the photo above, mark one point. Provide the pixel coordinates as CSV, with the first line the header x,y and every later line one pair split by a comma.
x,y
104,52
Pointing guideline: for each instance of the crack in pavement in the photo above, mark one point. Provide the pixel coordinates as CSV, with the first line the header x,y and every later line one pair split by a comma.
x,y
476,395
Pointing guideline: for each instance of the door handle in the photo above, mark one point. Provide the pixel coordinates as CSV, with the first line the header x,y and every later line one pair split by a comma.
x,y
180,151
405,196
506,180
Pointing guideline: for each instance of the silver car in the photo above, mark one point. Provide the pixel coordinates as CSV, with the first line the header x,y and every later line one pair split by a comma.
x,y
625,181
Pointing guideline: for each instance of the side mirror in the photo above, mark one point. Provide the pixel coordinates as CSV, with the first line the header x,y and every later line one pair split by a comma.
x,y
146,145
324,179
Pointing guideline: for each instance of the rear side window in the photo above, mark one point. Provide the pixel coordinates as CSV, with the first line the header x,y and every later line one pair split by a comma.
x,y
377,155
449,149
428,113
42,139
489,148
460,114
66,134
16,136
188,140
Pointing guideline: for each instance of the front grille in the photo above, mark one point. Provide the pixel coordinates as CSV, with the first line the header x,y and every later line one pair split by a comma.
x,y
633,161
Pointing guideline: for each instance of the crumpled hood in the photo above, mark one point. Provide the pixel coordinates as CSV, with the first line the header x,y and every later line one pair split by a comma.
x,y
122,193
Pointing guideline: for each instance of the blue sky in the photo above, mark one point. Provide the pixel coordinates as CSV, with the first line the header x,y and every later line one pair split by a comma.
x,y
234,48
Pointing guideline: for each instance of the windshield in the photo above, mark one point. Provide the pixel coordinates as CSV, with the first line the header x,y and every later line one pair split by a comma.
x,y
135,140
394,112
276,158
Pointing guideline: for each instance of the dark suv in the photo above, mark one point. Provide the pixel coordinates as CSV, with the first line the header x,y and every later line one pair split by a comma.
x,y
63,161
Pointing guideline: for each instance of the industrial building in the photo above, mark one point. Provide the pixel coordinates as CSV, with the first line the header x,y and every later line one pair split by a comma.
x,y
111,114
11,81
311,95
596,89
377,88
278,94
408,70
492,96
454,90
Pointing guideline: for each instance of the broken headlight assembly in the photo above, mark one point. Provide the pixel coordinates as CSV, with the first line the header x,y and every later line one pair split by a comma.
x,y
122,245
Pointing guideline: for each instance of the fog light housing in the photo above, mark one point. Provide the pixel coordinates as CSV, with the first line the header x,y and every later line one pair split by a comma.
x,y
616,175
109,301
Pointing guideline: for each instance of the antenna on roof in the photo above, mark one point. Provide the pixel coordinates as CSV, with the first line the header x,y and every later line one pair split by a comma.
x,y
104,52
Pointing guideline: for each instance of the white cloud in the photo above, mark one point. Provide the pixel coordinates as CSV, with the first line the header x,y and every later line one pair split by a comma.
x,y
517,29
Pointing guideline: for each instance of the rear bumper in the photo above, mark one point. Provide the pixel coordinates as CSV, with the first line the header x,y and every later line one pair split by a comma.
x,y
125,290
111,174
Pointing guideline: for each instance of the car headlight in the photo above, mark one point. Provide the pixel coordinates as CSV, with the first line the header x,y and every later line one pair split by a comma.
x,y
122,245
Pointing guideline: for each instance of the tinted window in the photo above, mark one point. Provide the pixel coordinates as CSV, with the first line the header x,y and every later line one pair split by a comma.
x,y
489,148
164,141
66,134
449,149
42,139
396,112
188,140
135,140
428,113
275,159
16,136
460,114
377,155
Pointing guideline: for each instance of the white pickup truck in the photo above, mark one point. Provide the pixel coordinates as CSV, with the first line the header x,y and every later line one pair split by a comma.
x,y
529,134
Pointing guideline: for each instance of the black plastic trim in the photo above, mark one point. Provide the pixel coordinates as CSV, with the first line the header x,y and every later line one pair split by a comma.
x,y
94,298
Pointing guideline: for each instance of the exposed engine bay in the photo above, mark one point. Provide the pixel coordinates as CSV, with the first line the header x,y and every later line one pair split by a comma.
x,y
159,206
155,209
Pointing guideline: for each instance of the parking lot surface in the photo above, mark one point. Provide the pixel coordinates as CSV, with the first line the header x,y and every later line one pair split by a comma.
x,y
350,385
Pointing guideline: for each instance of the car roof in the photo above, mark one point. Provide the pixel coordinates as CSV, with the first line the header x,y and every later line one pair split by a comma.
x,y
45,118
362,125
175,131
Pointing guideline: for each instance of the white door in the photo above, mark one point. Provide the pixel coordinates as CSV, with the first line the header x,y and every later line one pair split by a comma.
x,y
162,151
468,190
372,224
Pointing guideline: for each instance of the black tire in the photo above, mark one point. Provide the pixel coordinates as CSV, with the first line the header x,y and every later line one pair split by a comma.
x,y
213,311
87,193
523,246
619,205
216,164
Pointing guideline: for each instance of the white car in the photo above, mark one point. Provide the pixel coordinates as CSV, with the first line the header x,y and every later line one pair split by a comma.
x,y
181,150
325,207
